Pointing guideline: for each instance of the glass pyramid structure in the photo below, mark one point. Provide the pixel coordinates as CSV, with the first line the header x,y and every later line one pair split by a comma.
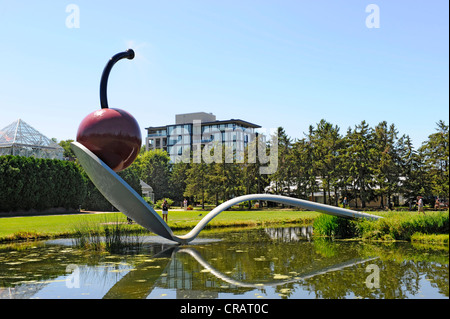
x,y
20,139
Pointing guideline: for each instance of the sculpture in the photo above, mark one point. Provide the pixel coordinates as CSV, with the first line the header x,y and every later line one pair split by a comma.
x,y
124,198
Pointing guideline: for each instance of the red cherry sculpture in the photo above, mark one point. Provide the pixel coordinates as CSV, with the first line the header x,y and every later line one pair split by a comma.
x,y
111,134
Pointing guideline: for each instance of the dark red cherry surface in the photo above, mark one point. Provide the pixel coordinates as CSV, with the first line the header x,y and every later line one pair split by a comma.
x,y
113,135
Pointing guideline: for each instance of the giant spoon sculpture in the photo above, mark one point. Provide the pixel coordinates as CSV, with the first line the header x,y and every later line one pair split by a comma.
x,y
108,141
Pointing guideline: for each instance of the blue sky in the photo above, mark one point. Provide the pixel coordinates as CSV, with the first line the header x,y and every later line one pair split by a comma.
x,y
273,63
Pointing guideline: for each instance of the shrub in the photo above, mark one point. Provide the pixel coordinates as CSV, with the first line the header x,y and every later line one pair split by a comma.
x,y
149,201
333,226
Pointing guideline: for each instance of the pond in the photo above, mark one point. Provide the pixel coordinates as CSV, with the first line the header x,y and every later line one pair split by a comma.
x,y
263,263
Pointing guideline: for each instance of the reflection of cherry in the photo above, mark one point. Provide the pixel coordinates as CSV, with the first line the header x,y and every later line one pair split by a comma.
x,y
111,134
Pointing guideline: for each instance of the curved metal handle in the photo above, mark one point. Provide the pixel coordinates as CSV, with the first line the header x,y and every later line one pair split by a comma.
x,y
322,208
129,54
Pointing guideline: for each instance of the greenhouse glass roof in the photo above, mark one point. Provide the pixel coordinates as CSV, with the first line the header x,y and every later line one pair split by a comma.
x,y
19,138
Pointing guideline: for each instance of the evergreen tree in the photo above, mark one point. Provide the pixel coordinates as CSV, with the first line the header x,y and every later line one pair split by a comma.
x,y
283,176
197,181
177,181
301,168
361,154
386,165
327,144
412,174
436,159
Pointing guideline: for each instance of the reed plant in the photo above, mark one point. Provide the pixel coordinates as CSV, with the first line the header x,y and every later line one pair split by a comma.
x,y
334,226
112,235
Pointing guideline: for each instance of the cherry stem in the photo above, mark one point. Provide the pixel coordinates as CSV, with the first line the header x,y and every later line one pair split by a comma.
x,y
129,54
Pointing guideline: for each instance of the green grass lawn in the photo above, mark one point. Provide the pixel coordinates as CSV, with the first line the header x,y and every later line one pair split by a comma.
x,y
43,226
35,227
63,225
182,219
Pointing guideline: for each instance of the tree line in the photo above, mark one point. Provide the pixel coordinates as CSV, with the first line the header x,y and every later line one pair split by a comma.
x,y
363,164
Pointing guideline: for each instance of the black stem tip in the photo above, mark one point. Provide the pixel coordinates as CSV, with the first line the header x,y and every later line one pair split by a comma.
x,y
131,54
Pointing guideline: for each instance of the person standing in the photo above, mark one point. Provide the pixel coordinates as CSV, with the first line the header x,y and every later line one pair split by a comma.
x,y
437,204
344,202
420,204
165,210
185,202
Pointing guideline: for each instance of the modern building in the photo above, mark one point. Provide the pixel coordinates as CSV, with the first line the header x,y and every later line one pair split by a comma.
x,y
192,130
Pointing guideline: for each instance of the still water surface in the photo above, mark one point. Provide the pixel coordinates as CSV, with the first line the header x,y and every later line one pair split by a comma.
x,y
261,263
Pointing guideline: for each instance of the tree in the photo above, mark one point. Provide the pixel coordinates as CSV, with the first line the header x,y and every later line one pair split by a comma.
x,y
196,181
312,167
327,145
153,167
386,164
282,177
216,182
233,180
413,176
68,152
302,167
177,181
436,159
360,158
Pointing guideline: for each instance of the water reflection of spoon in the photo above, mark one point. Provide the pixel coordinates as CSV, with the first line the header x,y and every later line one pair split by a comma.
x,y
194,253
124,198
145,274
162,261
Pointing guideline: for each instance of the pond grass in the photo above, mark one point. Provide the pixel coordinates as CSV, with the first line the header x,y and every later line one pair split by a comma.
x,y
440,239
112,235
395,226
399,226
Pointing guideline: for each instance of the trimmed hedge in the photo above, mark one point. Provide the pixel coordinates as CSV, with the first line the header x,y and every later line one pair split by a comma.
x,y
28,183
34,183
